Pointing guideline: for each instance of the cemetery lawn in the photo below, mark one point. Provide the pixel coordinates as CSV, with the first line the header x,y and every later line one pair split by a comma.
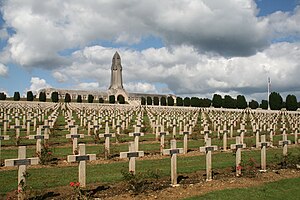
x,y
283,189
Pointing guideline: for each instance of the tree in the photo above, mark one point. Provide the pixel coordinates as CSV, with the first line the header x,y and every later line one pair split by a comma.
x,y
187,101
2,96
241,102
156,101
149,101
264,104
228,102
217,101
195,102
143,101
101,100
79,99
90,98
179,101
67,98
54,97
42,97
253,104
121,99
29,96
163,101
16,96
112,99
170,101
204,102
291,102
275,101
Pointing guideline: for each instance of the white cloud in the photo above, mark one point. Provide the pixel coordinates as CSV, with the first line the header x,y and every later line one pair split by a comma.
x,y
37,84
140,87
45,28
3,70
59,77
88,86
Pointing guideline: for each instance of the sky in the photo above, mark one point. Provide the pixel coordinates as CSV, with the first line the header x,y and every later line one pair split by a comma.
x,y
189,48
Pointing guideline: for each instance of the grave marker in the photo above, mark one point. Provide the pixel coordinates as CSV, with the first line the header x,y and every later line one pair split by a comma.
x,y
131,154
238,146
173,151
81,158
208,151
21,162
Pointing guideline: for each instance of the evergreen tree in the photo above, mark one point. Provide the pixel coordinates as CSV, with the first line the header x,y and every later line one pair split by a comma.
x,y
68,98
16,96
29,96
195,102
156,101
217,101
241,102
79,99
121,99
228,102
264,104
179,101
253,104
291,102
54,97
149,101
42,97
112,99
2,96
187,102
204,102
143,101
90,98
170,101
101,100
275,101
163,101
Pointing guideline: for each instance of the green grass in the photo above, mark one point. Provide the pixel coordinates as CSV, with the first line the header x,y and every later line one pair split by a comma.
x,y
283,189
49,177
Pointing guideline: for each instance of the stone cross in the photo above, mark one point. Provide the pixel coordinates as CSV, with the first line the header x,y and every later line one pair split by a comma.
x,y
208,150
5,124
185,134
136,136
242,131
257,131
173,152
296,129
21,162
107,137
271,135
131,154
285,142
38,137
238,146
17,127
224,131
74,136
81,158
162,135
263,157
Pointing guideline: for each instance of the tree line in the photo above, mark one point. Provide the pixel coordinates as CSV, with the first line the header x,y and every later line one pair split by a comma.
x,y
217,101
276,102
55,98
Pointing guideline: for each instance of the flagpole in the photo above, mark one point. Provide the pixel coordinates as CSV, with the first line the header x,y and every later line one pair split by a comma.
x,y
269,82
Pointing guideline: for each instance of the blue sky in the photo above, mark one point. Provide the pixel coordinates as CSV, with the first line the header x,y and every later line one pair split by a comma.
x,y
193,49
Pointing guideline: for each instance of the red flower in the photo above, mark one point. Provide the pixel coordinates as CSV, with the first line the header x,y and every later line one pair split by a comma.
x,y
239,167
49,153
72,184
77,184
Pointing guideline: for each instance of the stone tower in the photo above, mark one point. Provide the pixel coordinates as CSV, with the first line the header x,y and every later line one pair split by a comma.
x,y
116,82
116,73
